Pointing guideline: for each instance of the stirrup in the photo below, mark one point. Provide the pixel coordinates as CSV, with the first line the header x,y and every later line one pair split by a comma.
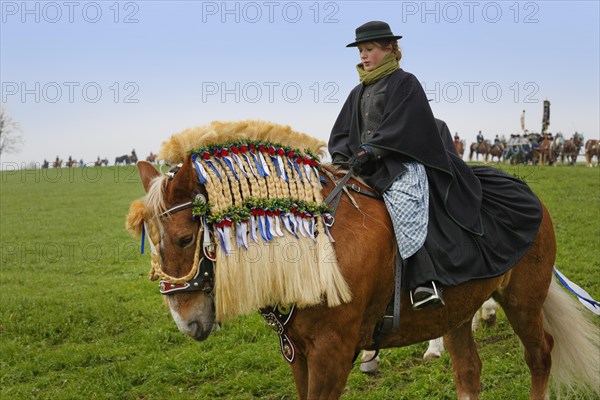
x,y
435,298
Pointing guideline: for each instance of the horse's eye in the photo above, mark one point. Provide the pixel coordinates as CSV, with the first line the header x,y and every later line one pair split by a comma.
x,y
186,241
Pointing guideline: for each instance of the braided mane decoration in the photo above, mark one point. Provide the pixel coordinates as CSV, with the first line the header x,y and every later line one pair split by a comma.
x,y
266,211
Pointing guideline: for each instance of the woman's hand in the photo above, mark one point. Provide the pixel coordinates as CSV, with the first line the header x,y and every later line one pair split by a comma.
x,y
358,161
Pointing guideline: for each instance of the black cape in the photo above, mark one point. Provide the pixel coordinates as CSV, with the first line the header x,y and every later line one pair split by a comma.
x,y
408,130
511,215
446,136
481,220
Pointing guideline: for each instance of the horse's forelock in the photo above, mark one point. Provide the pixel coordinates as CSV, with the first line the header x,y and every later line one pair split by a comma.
x,y
155,198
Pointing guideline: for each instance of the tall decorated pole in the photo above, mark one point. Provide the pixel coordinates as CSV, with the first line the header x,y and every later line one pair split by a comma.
x,y
546,117
523,121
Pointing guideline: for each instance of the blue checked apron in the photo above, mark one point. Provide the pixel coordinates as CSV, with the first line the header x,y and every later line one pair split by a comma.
x,y
407,201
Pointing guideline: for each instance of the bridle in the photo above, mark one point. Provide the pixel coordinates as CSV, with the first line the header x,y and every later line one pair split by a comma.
x,y
201,275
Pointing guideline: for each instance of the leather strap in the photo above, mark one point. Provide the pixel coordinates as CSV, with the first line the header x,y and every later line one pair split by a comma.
x,y
280,318
391,320
397,293
359,190
336,193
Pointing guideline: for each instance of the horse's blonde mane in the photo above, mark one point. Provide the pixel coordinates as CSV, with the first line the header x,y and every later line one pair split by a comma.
x,y
177,147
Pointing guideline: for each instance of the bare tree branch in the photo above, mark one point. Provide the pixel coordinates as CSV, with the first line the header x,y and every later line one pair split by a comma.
x,y
10,134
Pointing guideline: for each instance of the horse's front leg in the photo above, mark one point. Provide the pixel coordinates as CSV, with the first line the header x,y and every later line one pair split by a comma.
x,y
329,364
300,372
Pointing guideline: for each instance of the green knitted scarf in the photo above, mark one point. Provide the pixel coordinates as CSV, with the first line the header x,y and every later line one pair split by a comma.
x,y
388,65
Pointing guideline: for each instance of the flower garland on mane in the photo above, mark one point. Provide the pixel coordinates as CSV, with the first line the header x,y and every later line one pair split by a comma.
x,y
264,194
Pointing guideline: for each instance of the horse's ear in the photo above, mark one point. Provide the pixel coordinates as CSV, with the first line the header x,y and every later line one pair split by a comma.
x,y
184,178
147,173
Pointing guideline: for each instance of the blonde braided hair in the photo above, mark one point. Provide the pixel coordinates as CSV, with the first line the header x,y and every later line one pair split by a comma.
x,y
225,187
300,185
316,187
214,187
274,180
308,191
234,185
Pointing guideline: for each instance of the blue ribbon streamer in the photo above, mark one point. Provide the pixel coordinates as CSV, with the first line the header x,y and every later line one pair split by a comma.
x,y
210,164
226,161
268,228
279,169
259,167
595,304
221,241
299,172
293,225
291,167
200,176
283,173
276,163
249,164
143,239
260,228
219,162
240,164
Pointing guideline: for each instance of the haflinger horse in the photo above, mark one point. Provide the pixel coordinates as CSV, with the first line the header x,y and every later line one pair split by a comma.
x,y
325,308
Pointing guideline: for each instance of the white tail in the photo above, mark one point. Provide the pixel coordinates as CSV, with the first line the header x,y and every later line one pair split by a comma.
x,y
576,352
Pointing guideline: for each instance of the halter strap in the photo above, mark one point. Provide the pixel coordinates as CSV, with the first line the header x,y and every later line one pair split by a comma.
x,y
157,267
201,275
177,208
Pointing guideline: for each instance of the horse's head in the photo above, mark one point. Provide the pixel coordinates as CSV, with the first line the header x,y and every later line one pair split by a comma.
x,y
179,252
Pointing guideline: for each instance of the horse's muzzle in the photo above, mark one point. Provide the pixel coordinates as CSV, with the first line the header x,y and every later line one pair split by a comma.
x,y
196,319
199,331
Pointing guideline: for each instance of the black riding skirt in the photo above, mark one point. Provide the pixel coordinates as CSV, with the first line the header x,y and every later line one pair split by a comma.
x,y
511,215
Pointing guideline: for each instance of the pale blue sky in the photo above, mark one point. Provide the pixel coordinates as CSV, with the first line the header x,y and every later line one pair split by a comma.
x,y
91,79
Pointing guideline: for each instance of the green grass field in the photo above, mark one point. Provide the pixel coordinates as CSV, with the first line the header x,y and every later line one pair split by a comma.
x,y
79,318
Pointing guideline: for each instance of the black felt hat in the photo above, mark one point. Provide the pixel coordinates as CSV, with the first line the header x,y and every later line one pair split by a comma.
x,y
373,30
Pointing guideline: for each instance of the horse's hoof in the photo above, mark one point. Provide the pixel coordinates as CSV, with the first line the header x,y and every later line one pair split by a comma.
x,y
370,367
490,321
431,355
